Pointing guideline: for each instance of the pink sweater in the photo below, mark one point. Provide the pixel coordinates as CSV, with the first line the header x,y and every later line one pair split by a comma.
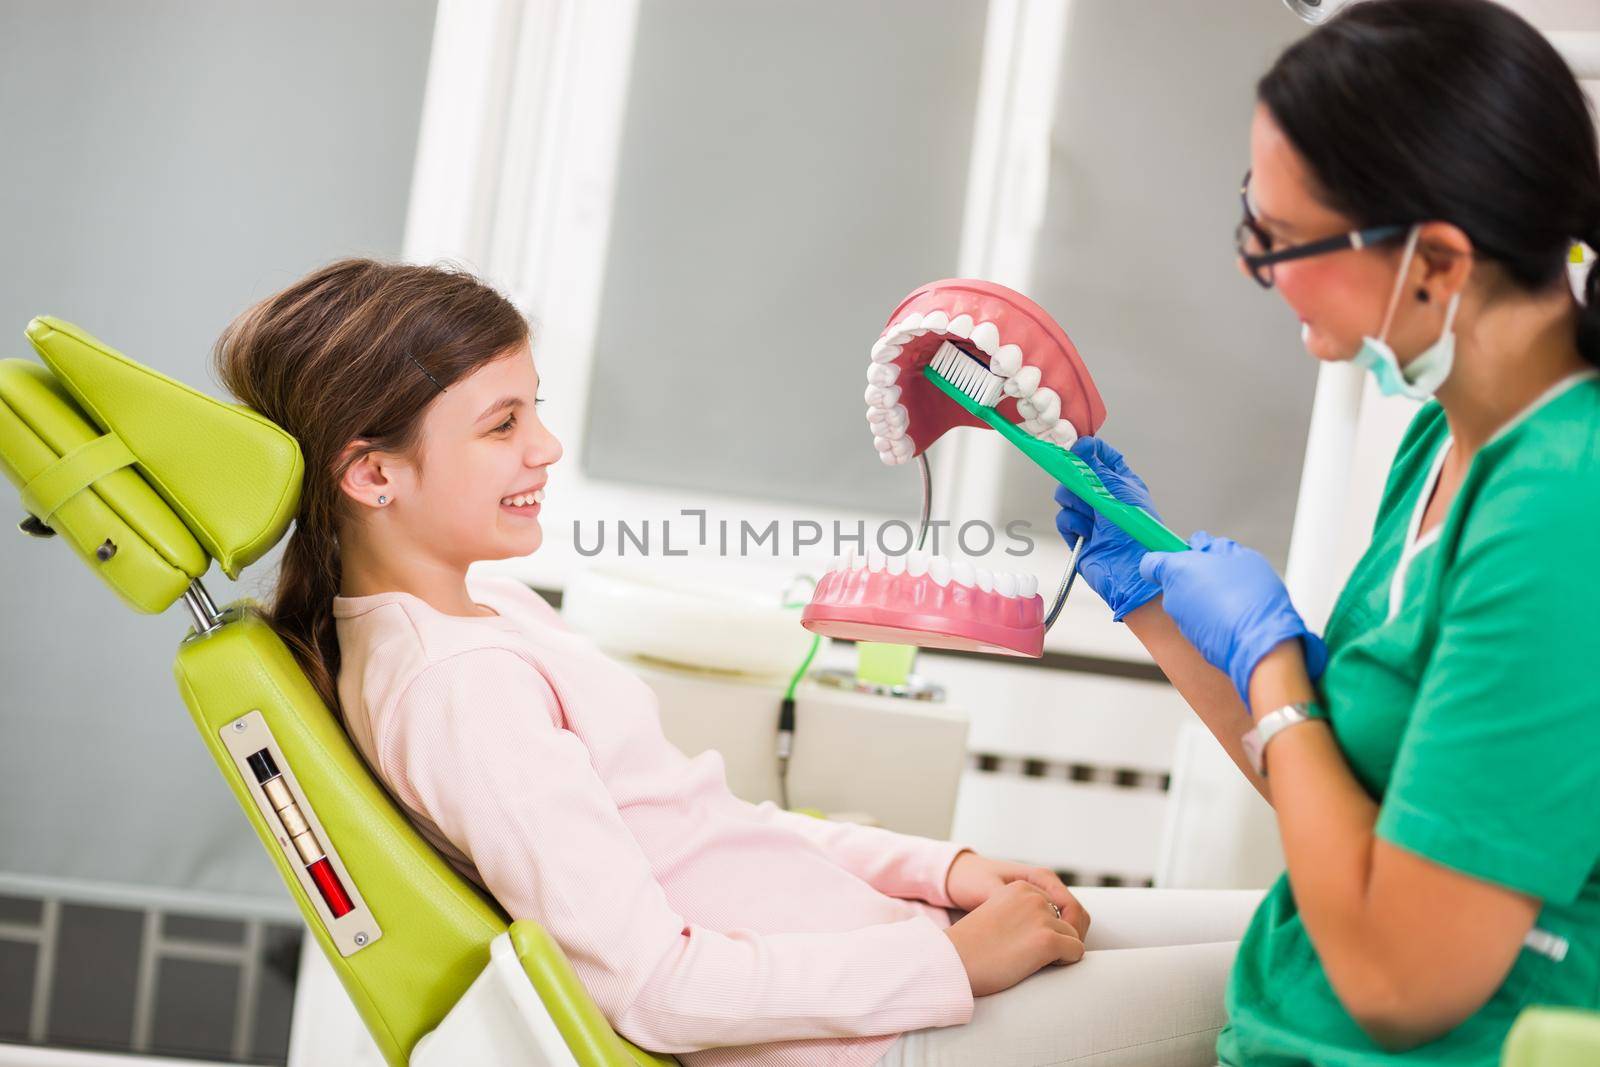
x,y
538,767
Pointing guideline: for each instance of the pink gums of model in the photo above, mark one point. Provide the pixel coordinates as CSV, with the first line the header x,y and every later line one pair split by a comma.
x,y
1048,392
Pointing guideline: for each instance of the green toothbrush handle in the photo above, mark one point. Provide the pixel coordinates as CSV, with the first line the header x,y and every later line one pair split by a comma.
x,y
1070,470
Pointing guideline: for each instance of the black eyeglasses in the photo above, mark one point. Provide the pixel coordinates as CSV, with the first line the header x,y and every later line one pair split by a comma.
x,y
1254,244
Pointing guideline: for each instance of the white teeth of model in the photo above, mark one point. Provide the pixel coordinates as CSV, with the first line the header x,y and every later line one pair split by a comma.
x,y
1027,586
1047,404
987,337
917,563
896,565
887,459
906,327
882,373
1023,383
885,349
903,448
1026,409
936,321
875,560
1031,427
1005,583
1064,434
963,573
892,432
877,417
897,416
882,444
882,396
985,578
939,570
1007,361
960,326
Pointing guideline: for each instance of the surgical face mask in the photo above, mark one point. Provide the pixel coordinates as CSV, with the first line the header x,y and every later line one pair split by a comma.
x,y
1420,378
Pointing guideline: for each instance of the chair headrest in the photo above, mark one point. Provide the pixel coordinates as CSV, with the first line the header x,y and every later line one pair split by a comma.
x,y
102,447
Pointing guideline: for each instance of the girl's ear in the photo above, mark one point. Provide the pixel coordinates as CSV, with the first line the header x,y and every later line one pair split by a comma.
x,y
366,478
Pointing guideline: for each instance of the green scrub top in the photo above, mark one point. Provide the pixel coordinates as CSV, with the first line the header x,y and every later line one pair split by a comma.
x,y
1461,687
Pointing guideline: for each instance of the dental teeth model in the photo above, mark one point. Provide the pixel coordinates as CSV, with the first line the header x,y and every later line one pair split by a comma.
x,y
1040,384
938,601
1045,387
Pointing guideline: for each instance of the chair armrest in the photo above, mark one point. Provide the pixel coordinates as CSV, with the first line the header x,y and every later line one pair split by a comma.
x,y
499,1019
582,1025
1553,1037
528,1007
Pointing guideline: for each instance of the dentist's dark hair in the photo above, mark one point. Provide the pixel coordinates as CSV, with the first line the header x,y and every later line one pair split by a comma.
x,y
1454,110
355,351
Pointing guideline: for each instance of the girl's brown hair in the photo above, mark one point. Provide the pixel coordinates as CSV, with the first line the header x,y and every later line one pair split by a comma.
x,y
353,351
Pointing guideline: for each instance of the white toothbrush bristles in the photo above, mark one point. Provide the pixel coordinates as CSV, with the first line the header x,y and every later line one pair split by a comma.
x,y
968,375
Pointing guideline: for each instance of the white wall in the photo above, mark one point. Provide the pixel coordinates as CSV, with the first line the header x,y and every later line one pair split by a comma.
x,y
166,163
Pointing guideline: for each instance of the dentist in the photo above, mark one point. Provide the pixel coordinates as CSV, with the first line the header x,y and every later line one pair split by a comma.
x,y
1419,170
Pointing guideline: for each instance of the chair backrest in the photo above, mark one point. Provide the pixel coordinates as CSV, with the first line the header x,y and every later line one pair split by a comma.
x,y
148,481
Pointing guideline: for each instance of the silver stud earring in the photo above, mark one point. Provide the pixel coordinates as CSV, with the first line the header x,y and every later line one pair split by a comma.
x,y
383,500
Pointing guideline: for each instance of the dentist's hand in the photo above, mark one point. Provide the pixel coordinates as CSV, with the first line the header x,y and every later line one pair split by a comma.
x,y
1231,605
1010,936
973,879
1110,561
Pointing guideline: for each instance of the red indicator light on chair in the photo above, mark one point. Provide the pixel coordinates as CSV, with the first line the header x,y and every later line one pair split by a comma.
x,y
332,892
294,825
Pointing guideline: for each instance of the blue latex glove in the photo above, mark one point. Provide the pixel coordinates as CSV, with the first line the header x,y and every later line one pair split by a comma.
x,y
1110,561
1231,605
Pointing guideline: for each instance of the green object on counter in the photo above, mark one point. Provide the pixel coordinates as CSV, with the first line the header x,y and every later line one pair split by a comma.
x,y
883,664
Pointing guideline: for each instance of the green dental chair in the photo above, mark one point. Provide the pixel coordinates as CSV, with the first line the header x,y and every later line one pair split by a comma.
x,y
148,481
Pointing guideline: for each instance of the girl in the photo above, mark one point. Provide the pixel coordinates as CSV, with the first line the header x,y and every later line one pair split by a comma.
x,y
538,766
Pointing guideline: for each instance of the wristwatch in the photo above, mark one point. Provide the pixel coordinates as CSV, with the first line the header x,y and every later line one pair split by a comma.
x,y
1271,724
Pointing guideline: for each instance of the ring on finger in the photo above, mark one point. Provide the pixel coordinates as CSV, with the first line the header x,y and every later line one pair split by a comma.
x,y
1055,908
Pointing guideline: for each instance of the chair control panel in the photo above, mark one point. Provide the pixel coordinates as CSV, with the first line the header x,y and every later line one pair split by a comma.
x,y
270,781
